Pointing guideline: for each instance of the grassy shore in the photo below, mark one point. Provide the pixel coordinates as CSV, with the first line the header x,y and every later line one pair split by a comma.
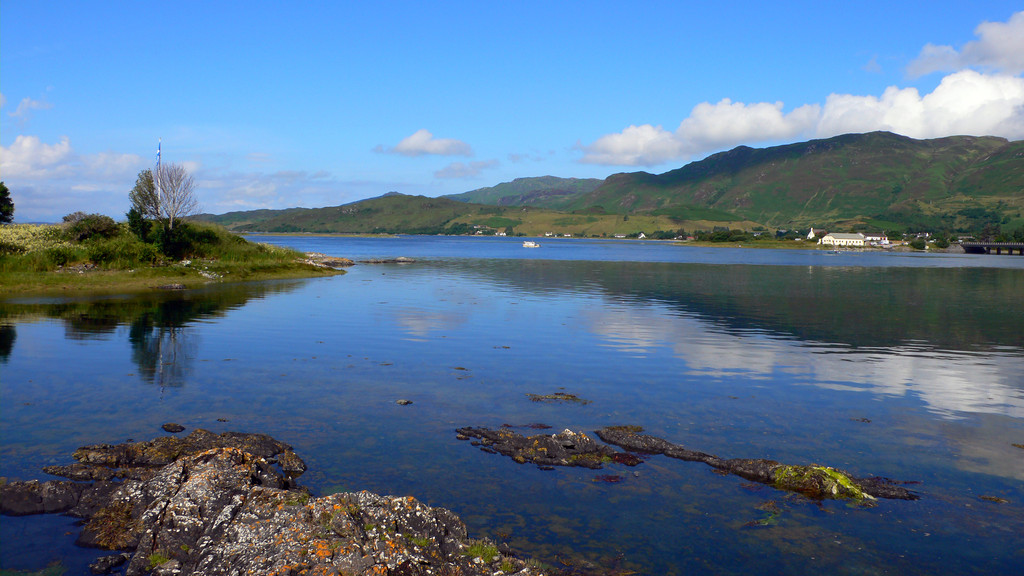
x,y
52,260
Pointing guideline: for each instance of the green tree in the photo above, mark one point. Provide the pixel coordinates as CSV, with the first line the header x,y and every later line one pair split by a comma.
x,y
6,205
143,196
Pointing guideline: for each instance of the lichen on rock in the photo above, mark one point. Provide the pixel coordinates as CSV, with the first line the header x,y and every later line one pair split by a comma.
x,y
219,508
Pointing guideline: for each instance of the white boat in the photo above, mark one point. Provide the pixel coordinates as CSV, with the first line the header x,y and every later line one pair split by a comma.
x,y
530,244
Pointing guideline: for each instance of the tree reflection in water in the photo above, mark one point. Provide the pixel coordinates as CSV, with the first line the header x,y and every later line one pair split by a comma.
x,y
164,354
7,337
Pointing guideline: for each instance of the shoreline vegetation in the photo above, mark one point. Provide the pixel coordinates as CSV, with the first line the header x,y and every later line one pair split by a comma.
x,y
92,255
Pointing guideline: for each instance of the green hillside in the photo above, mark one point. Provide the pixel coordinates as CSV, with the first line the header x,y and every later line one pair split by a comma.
x,y
402,214
544,191
877,178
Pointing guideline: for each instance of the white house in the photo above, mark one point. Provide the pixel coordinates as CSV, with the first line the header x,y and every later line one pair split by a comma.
x,y
815,231
876,239
837,239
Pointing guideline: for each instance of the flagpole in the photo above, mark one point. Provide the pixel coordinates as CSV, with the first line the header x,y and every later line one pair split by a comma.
x,y
159,193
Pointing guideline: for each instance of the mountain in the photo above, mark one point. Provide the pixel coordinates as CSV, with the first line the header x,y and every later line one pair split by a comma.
x,y
543,191
879,179
401,214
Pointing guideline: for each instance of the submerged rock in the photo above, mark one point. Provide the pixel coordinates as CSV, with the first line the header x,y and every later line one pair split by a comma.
x,y
567,448
220,506
818,482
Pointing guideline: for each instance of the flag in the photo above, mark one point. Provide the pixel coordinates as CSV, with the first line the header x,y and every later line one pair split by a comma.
x,y
158,142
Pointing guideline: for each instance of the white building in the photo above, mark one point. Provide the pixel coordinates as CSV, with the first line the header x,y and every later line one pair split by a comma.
x,y
837,239
815,231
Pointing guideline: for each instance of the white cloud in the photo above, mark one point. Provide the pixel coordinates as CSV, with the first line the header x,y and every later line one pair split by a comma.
x,y
636,145
966,102
1000,46
708,127
423,142
50,180
464,170
28,157
712,126
26,106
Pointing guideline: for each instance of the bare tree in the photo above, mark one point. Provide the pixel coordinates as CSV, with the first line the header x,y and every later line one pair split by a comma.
x,y
175,191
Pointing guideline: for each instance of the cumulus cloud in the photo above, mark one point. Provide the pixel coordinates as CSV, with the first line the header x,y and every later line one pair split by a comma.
x,y
50,180
715,125
966,102
999,47
708,127
423,142
28,157
465,170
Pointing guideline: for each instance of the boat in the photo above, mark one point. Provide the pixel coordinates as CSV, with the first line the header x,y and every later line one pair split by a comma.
x,y
530,244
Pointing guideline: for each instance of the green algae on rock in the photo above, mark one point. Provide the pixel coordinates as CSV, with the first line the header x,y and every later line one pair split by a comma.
x,y
817,482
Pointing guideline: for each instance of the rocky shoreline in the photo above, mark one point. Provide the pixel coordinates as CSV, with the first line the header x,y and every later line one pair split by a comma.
x,y
229,504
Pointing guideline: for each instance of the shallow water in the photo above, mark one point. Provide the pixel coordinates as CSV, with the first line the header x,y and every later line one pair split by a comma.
x,y
898,365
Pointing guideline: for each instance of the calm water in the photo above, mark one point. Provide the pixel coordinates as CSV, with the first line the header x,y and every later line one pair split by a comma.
x,y
904,366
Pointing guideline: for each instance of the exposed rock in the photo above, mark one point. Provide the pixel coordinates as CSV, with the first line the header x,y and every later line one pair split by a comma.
x,y
171,287
227,509
173,427
818,482
34,497
399,260
403,402
567,448
106,564
325,261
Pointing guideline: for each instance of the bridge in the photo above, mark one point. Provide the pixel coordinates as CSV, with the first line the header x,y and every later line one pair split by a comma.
x,y
993,247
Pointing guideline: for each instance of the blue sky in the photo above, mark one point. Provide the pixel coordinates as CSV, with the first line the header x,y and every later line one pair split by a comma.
x,y
282,104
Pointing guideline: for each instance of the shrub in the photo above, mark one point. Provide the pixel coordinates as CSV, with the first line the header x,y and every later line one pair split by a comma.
x,y
918,244
122,252
138,224
10,248
61,255
84,227
187,239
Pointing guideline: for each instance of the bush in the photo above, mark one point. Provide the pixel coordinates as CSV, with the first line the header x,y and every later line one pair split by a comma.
x,y
187,239
125,251
10,248
81,227
61,255
918,244
138,224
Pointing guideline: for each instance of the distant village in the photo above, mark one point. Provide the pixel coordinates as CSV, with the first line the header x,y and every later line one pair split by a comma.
x,y
819,236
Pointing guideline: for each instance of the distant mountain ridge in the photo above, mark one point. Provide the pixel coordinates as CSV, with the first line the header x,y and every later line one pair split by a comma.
x,y
545,191
876,176
877,180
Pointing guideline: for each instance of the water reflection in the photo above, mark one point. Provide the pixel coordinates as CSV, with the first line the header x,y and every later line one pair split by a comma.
x,y
163,342
949,337
164,354
8,334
